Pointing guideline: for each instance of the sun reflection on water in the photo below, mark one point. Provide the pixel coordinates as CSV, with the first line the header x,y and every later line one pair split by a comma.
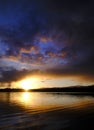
x,y
25,98
37,101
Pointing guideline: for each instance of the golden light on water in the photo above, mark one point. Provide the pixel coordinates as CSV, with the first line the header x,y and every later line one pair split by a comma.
x,y
29,83
25,97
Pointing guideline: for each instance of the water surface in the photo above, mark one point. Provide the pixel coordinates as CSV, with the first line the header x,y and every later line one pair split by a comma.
x,y
45,111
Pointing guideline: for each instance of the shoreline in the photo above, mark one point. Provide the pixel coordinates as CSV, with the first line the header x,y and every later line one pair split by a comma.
x,y
76,89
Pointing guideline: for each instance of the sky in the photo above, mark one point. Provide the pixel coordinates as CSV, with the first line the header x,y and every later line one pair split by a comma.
x,y
52,40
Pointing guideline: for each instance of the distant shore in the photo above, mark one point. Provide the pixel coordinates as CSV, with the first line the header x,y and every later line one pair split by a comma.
x,y
77,89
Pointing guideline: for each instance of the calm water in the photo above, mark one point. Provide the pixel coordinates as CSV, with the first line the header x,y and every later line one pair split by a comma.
x,y
46,111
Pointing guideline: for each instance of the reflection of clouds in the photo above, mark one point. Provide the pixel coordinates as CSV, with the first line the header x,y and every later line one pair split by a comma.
x,y
43,101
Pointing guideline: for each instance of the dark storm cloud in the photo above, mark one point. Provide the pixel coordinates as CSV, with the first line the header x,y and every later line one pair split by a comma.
x,y
49,31
13,75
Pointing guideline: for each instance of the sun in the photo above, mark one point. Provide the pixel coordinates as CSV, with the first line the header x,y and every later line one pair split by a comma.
x,y
29,83
26,84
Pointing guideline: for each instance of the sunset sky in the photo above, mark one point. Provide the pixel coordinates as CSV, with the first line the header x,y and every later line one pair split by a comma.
x,y
50,42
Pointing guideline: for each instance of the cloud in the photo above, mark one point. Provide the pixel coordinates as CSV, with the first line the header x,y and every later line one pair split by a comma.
x,y
51,33
8,76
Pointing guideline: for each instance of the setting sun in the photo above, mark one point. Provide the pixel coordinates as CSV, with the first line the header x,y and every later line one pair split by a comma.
x,y
29,83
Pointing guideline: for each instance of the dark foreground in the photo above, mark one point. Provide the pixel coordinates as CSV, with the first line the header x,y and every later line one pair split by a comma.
x,y
50,120
38,112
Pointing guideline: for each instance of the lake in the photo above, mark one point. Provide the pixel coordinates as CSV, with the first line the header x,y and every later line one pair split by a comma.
x,y
46,111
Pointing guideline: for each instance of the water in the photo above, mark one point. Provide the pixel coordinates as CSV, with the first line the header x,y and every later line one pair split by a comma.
x,y
46,111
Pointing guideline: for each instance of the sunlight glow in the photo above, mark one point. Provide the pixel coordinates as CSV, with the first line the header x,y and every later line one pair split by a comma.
x,y
29,83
